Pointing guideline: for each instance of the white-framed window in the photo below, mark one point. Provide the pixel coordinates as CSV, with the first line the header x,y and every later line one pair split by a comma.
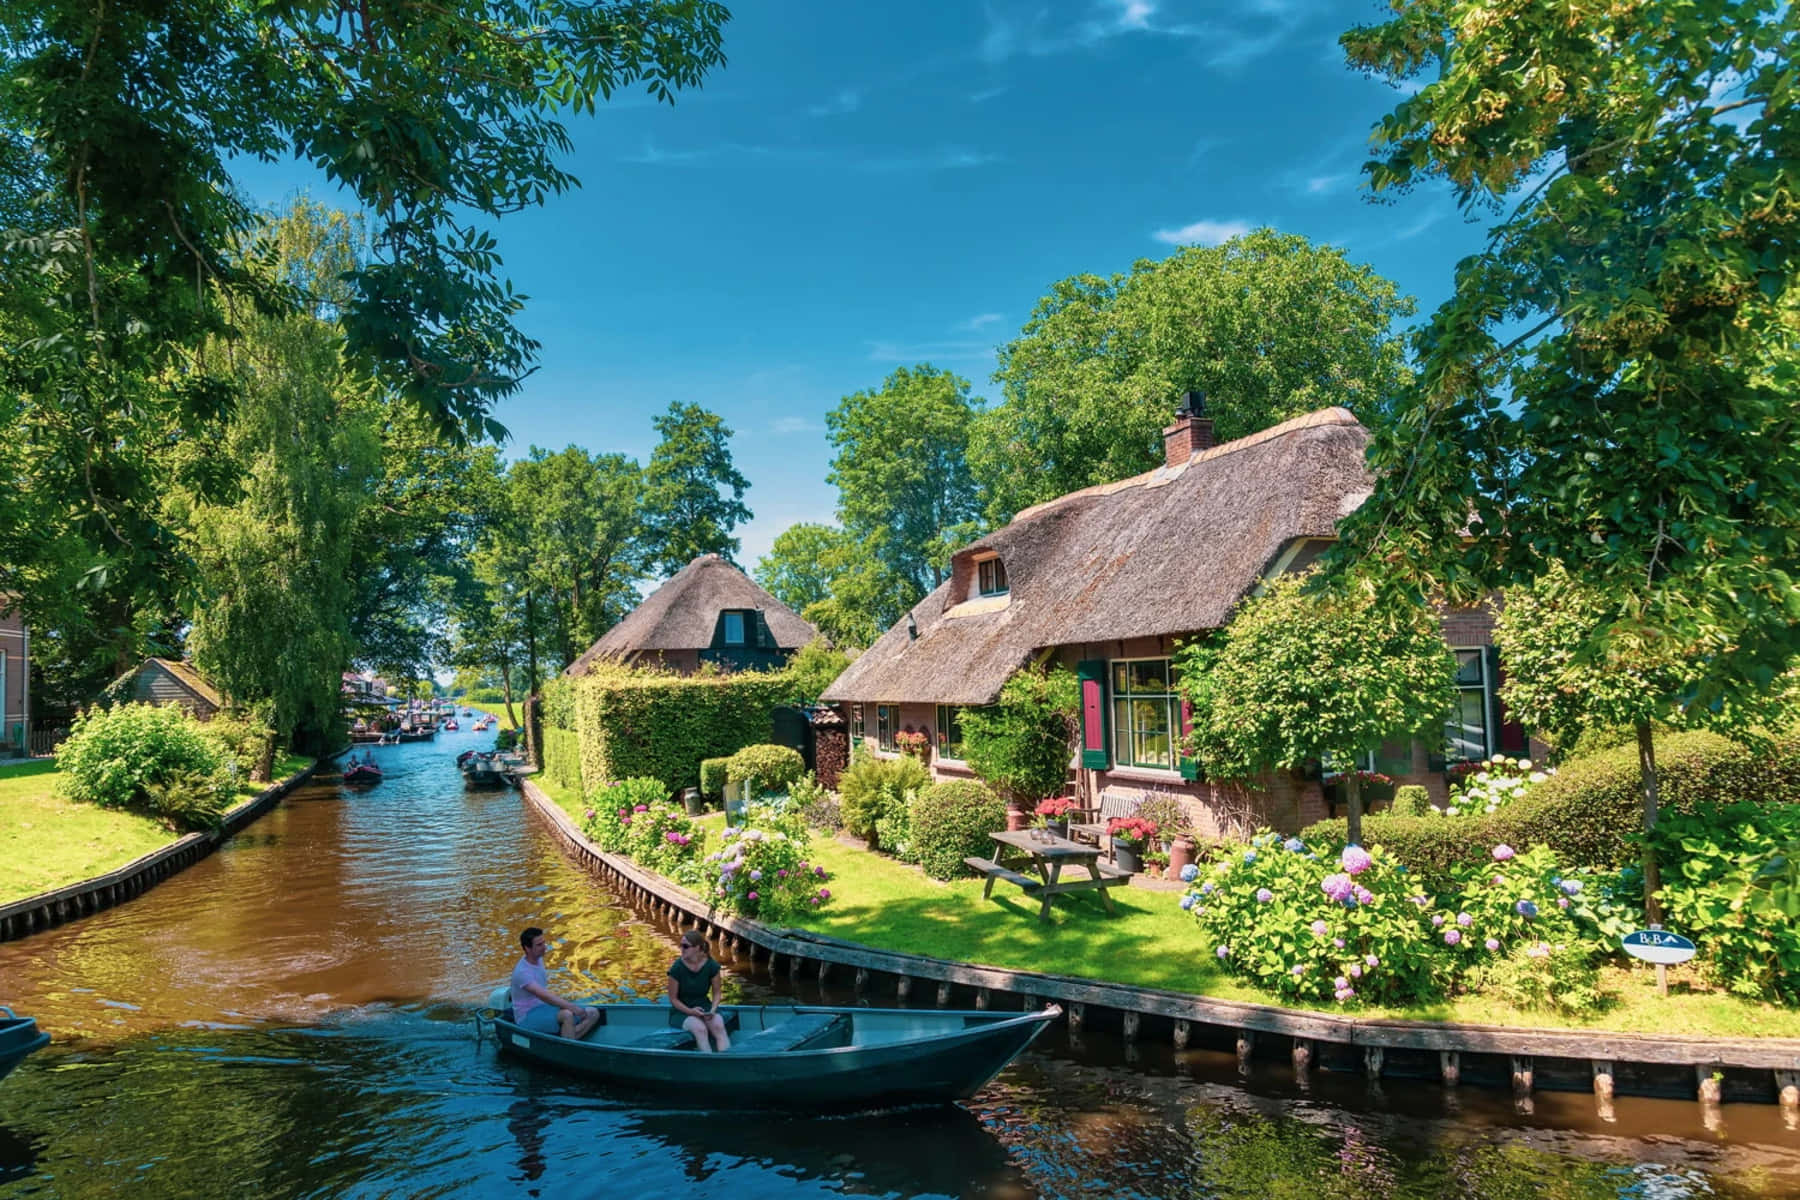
x,y
734,629
1146,712
949,731
1469,734
858,730
990,577
887,724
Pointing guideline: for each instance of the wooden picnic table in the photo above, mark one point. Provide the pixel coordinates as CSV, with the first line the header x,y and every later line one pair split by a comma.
x,y
1047,854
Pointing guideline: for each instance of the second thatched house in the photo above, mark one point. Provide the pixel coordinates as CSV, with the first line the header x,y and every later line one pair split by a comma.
x,y
708,612
1108,580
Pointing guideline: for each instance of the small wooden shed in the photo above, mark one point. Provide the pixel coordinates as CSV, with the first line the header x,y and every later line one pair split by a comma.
x,y
169,681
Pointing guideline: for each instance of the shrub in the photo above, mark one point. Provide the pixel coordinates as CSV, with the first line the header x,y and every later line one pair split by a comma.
x,y
1163,811
765,768
664,838
148,758
612,807
876,789
1023,744
1412,800
562,759
780,815
1494,784
817,804
952,821
712,778
245,737
508,739
1710,857
764,875
1356,926
1591,808
636,723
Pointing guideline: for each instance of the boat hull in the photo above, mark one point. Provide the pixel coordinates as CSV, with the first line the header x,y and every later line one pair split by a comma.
x,y
19,1037
957,1057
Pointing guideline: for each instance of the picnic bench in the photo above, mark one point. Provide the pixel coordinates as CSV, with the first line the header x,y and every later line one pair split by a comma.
x,y
1090,824
1047,855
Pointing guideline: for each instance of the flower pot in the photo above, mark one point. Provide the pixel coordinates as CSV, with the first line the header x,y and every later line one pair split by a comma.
x,y
693,801
1125,856
1059,828
1181,854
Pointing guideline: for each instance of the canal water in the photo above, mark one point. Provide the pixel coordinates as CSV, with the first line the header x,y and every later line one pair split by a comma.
x,y
291,1017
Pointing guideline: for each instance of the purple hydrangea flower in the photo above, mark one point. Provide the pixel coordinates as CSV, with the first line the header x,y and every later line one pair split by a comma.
x,y
1356,970
1371,960
1189,873
1541,950
1502,852
1355,860
1338,887
1364,895
1223,951
781,874
1345,993
1296,970
641,808
1249,856
1525,908
1293,845
1562,902
752,896
1493,943
1319,928
1437,919
1465,920
1206,889
819,871
1341,983
591,814
1264,895
1338,943
1452,936
755,876
824,893
1570,887
1187,902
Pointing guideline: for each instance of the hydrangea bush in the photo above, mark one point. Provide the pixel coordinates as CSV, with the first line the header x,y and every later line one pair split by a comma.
x,y
612,807
764,874
1494,784
1351,925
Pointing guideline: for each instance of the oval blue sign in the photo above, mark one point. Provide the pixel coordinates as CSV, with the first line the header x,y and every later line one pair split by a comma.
x,y
1658,946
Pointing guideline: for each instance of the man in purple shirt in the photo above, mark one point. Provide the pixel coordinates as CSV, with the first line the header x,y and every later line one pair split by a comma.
x,y
534,1005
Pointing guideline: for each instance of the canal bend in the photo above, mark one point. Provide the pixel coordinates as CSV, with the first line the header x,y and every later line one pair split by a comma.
x,y
291,1017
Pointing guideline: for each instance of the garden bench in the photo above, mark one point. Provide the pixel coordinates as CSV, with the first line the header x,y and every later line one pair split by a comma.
x,y
994,870
1089,824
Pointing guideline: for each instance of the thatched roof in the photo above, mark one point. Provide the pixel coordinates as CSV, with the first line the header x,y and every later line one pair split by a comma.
x,y
683,613
1171,551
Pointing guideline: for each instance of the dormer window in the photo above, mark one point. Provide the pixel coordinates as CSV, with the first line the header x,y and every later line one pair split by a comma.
x,y
990,576
735,626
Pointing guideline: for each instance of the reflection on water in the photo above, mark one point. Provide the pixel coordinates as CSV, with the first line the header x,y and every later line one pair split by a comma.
x,y
289,1018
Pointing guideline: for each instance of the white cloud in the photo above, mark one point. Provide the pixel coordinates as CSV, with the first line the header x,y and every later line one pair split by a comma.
x,y
986,94
979,322
785,425
1203,233
1319,184
847,101
918,352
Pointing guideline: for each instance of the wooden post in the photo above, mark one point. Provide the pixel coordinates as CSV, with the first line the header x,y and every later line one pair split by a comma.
x,y
1450,1067
943,994
1303,1057
794,967
824,968
1246,1045
1521,1075
903,988
1372,1062
1183,1030
983,997
1132,1020
1710,1081
862,980
1787,1090
1077,1014
1603,1079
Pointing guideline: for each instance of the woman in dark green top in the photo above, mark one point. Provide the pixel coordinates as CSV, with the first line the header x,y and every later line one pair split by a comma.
x,y
694,986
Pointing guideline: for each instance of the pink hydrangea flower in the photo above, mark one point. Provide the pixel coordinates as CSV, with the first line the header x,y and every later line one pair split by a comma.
x,y
752,895
1356,860
1319,928
1502,852
1452,936
1338,887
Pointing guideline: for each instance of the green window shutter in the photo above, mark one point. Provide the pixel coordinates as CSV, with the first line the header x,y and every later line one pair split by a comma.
x,y
1096,732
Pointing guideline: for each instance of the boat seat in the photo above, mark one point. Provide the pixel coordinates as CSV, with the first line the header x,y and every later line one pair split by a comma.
x,y
677,1039
804,1031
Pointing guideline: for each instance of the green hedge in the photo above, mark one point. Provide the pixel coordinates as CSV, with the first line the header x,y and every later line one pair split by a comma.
x,y
664,726
952,821
1589,809
562,759
556,700
712,777
772,768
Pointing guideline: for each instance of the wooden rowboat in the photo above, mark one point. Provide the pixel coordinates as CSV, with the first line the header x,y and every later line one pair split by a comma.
x,y
791,1056
19,1036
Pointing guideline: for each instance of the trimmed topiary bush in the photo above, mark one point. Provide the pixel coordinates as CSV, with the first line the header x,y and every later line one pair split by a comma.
x,y
712,777
952,821
1411,800
765,767
147,758
1591,808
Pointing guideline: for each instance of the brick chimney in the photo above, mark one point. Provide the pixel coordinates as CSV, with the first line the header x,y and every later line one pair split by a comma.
x,y
1191,432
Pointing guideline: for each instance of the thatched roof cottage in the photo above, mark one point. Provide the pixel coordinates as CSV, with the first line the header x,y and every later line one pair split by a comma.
x,y
1109,579
709,611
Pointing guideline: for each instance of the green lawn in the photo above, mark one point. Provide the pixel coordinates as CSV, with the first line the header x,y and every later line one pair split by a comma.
x,y
878,901
47,843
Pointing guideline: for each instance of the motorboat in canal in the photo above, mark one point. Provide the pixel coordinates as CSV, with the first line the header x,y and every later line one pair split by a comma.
x,y
450,725
789,1056
362,773
19,1036
485,768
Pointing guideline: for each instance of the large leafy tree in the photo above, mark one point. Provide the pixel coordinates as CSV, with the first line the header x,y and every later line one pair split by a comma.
x,y
1612,387
839,582
1268,325
1309,672
797,569
693,493
436,118
902,472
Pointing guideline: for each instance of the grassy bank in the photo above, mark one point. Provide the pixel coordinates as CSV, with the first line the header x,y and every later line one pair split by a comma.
x,y
880,902
47,842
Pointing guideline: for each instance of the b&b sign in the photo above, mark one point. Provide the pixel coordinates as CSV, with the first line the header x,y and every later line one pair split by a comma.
x,y
1658,946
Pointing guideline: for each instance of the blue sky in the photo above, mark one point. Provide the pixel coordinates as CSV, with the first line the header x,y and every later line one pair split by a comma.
x,y
866,186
